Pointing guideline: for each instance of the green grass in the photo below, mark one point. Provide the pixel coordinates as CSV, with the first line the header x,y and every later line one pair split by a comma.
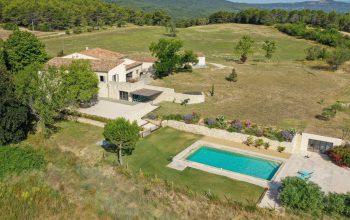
x,y
16,160
152,156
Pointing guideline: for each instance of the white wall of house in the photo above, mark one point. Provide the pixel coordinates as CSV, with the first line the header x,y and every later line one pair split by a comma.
x,y
306,137
103,85
147,67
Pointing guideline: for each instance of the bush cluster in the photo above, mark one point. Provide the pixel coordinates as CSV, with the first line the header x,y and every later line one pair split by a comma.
x,y
190,118
247,127
307,197
15,160
329,36
340,155
330,112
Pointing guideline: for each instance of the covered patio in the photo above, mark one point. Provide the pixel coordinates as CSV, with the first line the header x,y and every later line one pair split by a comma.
x,y
145,95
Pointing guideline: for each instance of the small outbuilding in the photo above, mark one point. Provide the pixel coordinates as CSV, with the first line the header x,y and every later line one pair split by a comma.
x,y
201,60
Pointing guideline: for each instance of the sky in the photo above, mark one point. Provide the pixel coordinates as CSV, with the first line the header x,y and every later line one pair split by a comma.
x,y
276,1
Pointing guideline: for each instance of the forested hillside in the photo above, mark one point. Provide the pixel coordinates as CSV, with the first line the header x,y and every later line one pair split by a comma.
x,y
202,8
183,8
48,15
324,5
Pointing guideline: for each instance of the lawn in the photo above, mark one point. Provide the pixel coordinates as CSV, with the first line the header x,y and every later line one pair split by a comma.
x,y
284,92
152,156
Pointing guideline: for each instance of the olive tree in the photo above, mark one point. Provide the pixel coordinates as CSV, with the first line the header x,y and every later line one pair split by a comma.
x,y
269,47
123,134
244,47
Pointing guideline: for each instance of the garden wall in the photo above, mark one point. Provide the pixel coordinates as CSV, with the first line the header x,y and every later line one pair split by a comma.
x,y
223,134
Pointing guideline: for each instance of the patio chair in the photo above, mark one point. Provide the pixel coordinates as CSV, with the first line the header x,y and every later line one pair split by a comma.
x,y
304,174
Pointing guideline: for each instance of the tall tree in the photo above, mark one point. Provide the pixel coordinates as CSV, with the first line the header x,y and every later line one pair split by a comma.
x,y
167,52
15,120
43,92
244,47
171,28
269,47
22,49
123,134
80,81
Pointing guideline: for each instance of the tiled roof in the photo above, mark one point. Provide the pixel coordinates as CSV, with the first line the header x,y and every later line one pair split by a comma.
x,y
103,54
96,65
147,59
133,65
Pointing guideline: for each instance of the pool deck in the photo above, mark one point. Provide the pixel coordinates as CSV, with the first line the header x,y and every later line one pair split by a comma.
x,y
244,147
330,177
180,163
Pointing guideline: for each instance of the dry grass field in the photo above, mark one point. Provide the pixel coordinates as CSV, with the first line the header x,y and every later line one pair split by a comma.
x,y
284,92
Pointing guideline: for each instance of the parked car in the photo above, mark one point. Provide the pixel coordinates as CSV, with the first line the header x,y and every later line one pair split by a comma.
x,y
89,104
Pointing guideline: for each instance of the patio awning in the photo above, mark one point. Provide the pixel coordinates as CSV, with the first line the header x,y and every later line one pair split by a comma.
x,y
146,93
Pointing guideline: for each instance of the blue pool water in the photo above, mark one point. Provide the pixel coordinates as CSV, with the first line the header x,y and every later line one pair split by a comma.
x,y
248,165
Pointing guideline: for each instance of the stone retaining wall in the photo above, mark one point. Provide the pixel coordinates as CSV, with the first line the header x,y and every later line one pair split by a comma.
x,y
223,134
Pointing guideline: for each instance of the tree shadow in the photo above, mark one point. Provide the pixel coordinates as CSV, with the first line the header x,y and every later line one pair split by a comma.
x,y
322,67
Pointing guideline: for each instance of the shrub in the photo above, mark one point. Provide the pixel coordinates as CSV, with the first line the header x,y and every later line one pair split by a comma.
x,y
15,160
236,126
191,118
259,132
337,106
248,123
249,141
220,121
212,90
266,145
185,102
340,155
338,57
259,142
210,122
232,77
288,135
67,32
175,117
10,26
300,195
335,203
77,30
281,149
315,53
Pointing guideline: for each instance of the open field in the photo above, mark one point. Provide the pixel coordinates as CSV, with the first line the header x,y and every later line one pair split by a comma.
x,y
76,186
282,92
152,156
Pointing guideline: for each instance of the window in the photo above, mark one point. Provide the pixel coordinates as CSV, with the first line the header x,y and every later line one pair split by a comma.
x,y
102,78
128,76
123,95
114,78
319,146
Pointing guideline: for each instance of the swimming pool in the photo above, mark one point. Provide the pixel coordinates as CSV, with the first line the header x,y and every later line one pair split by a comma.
x,y
239,163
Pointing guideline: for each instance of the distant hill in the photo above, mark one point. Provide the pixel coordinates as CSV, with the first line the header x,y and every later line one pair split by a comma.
x,y
325,5
200,8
